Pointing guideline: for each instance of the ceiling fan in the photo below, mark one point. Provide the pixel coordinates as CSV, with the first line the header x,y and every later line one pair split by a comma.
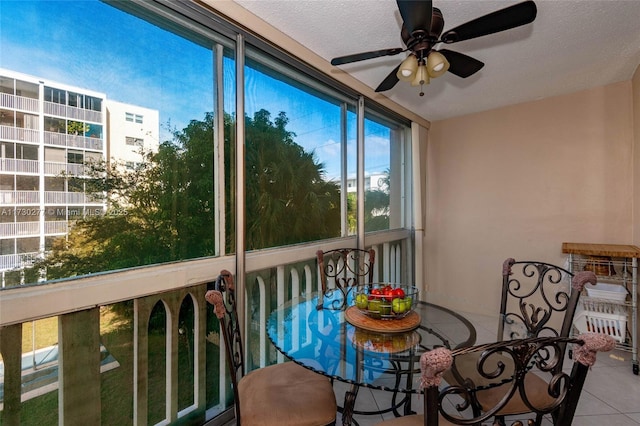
x,y
422,30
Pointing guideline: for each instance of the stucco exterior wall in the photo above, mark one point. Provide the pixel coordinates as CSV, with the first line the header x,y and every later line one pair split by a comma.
x,y
521,180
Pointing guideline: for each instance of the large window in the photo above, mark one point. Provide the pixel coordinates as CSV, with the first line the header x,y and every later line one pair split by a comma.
x,y
105,208
294,156
300,138
169,202
383,174
58,96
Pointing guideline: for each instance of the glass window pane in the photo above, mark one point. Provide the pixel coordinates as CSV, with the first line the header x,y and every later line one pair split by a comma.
x,y
150,91
7,150
27,152
351,180
376,174
384,184
293,158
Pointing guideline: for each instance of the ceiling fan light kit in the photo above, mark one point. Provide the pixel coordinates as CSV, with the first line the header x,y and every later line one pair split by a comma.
x,y
408,68
421,78
422,30
437,64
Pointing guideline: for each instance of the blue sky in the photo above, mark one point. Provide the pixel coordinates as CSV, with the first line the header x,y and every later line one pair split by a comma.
x,y
94,46
128,65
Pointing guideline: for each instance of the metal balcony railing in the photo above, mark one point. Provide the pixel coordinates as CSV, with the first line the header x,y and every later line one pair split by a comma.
x,y
19,134
20,229
14,261
61,198
19,197
19,102
75,141
19,166
53,108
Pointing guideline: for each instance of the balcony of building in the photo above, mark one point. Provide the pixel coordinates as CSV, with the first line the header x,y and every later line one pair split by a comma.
x,y
30,229
75,141
138,345
20,229
63,197
54,168
19,134
22,103
66,111
15,262
150,338
19,166
9,198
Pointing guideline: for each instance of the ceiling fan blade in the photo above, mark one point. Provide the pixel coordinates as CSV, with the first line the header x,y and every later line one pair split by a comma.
x,y
365,55
500,20
416,15
461,64
389,81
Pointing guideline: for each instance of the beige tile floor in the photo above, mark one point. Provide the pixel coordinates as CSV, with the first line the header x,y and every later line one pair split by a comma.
x,y
611,395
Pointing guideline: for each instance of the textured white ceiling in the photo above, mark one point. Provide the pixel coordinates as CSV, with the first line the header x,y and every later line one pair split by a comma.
x,y
572,45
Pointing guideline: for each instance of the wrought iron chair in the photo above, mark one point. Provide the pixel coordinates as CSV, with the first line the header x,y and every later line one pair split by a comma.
x,y
280,394
340,271
537,356
536,301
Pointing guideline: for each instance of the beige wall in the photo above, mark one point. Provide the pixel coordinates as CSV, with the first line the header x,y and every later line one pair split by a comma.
x,y
518,181
635,82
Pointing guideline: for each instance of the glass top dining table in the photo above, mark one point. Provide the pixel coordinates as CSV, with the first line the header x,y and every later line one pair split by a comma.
x,y
315,335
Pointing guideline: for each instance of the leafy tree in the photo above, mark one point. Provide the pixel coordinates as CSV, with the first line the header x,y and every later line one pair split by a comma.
x,y
287,199
352,210
164,210
77,128
376,206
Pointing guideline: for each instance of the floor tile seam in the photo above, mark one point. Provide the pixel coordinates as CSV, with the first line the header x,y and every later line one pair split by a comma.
x,y
630,418
603,416
602,401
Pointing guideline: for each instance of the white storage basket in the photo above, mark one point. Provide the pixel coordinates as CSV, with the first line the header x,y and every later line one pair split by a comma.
x,y
607,291
596,316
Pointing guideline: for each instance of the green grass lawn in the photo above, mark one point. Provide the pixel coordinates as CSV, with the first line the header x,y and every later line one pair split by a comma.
x,y
116,330
46,334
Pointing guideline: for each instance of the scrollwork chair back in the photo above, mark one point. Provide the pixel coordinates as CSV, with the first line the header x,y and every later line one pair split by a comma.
x,y
342,270
222,296
539,356
452,405
537,299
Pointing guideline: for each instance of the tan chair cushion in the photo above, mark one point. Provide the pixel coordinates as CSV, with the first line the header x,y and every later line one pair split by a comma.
x,y
286,394
465,366
537,392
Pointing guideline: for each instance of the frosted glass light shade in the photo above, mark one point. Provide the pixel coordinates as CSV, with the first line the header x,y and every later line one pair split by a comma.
x,y
407,69
422,76
437,64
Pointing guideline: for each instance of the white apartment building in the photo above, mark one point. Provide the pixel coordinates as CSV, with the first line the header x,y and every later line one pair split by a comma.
x,y
49,131
372,182
131,130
